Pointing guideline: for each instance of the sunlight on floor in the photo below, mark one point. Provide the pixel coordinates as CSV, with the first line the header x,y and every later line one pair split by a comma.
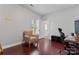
x,y
35,53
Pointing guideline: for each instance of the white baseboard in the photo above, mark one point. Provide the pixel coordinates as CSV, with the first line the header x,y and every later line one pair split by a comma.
x,y
8,46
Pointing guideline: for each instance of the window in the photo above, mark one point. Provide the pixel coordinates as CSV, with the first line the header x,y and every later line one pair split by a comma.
x,y
35,26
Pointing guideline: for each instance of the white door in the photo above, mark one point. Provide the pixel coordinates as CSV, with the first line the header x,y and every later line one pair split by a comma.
x,y
45,29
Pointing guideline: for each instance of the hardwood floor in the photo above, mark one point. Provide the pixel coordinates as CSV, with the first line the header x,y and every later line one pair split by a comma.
x,y
23,49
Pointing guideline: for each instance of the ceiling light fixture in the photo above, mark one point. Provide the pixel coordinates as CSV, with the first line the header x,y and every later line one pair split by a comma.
x,y
32,5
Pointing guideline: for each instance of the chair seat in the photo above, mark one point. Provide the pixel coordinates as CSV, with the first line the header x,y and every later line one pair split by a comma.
x,y
33,37
26,36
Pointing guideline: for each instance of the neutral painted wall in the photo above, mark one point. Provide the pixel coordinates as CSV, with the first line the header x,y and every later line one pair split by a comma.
x,y
63,19
76,13
14,19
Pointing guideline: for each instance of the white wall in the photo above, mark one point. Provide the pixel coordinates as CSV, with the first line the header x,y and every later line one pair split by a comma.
x,y
63,19
76,13
14,19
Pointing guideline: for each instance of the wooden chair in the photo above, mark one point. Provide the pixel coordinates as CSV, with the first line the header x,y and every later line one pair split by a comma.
x,y
29,37
1,50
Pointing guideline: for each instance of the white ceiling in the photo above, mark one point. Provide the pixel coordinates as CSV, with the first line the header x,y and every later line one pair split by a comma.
x,y
44,9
